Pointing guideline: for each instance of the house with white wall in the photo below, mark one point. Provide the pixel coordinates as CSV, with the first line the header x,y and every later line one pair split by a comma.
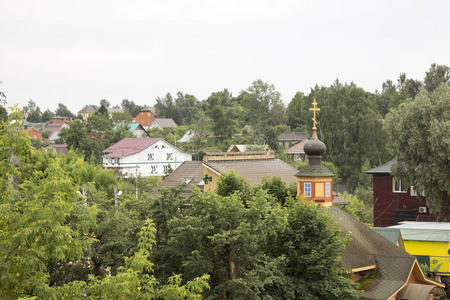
x,y
144,157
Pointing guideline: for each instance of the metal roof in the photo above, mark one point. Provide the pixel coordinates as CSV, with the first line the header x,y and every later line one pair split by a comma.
x,y
424,231
383,169
129,146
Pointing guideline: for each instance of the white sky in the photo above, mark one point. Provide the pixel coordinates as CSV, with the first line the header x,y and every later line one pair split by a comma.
x,y
80,51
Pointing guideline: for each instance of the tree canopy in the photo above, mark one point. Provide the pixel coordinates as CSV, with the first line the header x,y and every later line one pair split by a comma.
x,y
420,135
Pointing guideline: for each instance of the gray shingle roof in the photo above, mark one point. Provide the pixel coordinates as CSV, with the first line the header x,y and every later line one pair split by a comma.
x,y
254,170
163,122
393,264
314,171
191,171
383,169
293,136
88,109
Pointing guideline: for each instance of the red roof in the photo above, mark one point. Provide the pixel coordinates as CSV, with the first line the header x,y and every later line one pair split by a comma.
x,y
297,148
129,146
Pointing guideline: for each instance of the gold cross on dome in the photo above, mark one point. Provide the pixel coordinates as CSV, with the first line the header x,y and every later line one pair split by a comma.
x,y
314,109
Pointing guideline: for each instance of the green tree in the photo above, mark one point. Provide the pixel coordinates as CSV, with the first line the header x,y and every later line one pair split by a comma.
x,y
131,107
63,111
420,135
351,129
220,108
47,116
183,109
230,183
436,75
358,209
263,104
297,112
277,188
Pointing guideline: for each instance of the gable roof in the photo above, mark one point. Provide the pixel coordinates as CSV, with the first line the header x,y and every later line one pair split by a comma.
x,y
129,146
293,136
164,122
132,126
383,169
88,109
254,170
190,172
368,248
297,148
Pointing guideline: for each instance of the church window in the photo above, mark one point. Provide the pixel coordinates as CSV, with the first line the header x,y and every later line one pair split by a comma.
x,y
307,188
327,189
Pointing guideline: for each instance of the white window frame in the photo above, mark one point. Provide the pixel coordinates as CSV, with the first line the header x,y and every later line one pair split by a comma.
x,y
307,188
327,189
412,191
400,186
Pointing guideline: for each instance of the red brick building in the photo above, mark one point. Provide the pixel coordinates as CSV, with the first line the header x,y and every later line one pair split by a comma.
x,y
393,201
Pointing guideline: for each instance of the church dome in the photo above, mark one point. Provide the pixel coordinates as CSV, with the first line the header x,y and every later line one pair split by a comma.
x,y
315,147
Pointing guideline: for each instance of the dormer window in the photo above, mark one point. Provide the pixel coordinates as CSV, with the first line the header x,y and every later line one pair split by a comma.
x,y
150,156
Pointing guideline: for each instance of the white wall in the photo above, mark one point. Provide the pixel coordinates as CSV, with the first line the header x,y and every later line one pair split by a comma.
x,y
139,163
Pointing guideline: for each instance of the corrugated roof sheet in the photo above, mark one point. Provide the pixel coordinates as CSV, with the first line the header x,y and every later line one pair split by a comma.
x,y
129,146
391,234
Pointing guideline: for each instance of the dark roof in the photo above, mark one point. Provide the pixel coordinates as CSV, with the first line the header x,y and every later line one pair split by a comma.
x,y
314,171
163,123
367,248
151,109
297,148
88,109
129,146
254,170
190,172
391,234
383,169
293,136
60,148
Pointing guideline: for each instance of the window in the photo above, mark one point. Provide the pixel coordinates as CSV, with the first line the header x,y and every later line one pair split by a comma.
x,y
327,189
150,156
412,191
166,168
307,189
153,171
398,186
169,156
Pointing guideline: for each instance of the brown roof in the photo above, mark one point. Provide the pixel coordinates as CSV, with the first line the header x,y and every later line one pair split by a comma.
x,y
293,136
297,148
190,172
129,146
367,248
254,170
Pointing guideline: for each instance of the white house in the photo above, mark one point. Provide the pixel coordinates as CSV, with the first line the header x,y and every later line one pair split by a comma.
x,y
144,157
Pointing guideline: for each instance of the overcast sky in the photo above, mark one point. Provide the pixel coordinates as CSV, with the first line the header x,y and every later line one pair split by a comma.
x,y
78,52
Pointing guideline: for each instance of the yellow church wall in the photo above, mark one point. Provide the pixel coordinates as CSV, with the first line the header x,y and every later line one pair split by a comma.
x,y
317,189
212,185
